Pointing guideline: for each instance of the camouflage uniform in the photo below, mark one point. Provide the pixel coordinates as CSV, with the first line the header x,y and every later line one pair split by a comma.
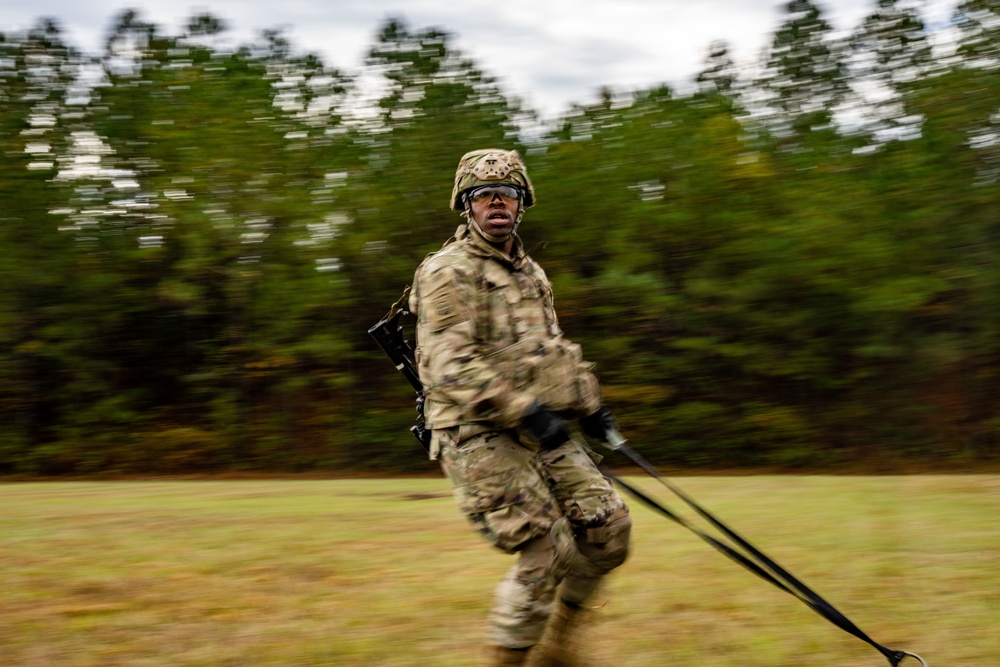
x,y
488,347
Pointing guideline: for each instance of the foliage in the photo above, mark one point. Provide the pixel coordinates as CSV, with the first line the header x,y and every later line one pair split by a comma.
x,y
789,268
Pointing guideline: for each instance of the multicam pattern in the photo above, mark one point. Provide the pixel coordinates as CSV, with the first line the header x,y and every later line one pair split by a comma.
x,y
499,486
554,509
488,347
490,166
488,339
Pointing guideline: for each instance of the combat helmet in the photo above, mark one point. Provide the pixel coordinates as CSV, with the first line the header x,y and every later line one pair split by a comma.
x,y
491,166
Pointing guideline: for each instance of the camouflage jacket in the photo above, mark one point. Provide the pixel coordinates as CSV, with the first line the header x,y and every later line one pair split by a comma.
x,y
488,340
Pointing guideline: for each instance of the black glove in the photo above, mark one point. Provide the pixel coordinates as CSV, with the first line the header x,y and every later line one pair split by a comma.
x,y
545,426
598,425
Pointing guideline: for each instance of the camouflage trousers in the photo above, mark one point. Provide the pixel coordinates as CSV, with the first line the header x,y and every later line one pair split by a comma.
x,y
554,509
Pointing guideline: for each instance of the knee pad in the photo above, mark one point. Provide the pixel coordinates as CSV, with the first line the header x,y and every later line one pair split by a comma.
x,y
607,545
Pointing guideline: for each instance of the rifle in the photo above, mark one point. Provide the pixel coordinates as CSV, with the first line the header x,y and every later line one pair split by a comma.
x,y
388,333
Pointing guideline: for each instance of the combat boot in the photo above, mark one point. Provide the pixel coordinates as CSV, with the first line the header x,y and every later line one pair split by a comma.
x,y
501,656
560,648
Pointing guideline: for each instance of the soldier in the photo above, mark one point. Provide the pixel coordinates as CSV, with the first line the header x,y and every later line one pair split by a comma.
x,y
502,383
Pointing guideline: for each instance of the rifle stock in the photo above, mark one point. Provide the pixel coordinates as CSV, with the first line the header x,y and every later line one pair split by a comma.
x,y
388,333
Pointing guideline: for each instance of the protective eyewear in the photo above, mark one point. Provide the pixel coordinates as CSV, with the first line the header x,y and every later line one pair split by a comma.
x,y
486,192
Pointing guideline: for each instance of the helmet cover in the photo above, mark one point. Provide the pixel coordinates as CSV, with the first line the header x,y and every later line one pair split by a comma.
x,y
491,166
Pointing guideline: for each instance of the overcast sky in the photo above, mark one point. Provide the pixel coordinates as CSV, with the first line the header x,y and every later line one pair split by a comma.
x,y
551,53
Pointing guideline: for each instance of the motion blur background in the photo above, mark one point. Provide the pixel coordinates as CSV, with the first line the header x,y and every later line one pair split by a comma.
x,y
791,261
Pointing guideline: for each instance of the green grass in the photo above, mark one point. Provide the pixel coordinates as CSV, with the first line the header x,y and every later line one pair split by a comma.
x,y
385,572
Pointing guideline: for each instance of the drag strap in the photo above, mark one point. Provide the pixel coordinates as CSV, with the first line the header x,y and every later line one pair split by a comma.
x,y
753,559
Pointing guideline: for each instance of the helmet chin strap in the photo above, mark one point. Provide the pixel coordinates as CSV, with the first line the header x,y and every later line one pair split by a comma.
x,y
490,237
496,239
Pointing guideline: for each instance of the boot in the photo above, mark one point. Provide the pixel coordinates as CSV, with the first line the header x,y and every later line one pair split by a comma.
x,y
559,648
501,656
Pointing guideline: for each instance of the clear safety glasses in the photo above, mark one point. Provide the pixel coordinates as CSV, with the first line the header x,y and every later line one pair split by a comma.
x,y
486,192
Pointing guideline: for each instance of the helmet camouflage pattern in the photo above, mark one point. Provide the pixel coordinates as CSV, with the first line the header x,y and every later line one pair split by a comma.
x,y
491,166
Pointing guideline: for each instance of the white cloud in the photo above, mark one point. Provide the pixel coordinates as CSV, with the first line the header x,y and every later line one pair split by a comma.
x,y
549,52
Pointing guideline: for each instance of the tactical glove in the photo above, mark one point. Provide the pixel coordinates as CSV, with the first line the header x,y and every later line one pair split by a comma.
x,y
599,425
545,426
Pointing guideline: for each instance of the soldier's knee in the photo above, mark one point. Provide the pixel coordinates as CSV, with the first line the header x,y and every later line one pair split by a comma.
x,y
607,546
555,552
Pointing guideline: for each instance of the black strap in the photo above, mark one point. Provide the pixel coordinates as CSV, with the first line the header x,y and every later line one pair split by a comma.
x,y
754,559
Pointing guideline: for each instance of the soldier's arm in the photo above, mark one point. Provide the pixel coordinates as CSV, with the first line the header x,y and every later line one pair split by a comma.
x,y
455,370
590,386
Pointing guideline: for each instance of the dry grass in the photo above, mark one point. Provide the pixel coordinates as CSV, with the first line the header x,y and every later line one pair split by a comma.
x,y
384,572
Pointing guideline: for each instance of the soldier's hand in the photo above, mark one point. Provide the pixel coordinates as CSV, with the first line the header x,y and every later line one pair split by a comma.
x,y
545,427
599,425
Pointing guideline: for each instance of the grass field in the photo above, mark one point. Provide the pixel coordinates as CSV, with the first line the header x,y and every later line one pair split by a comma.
x,y
385,572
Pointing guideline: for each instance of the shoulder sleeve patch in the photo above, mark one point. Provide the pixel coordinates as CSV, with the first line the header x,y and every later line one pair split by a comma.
x,y
442,298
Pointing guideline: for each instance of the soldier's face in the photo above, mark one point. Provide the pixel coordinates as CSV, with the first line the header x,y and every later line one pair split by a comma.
x,y
495,214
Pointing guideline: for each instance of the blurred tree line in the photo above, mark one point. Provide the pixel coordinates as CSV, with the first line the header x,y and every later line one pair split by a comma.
x,y
795,264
